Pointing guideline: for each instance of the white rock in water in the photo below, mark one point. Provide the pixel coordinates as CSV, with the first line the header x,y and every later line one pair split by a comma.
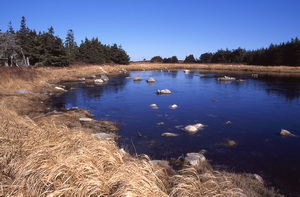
x,y
59,88
150,80
284,132
192,129
194,159
104,78
174,106
137,78
225,78
98,81
167,134
186,71
154,106
164,91
85,119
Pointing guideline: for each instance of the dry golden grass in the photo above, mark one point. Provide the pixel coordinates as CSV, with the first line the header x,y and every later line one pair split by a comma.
x,y
49,154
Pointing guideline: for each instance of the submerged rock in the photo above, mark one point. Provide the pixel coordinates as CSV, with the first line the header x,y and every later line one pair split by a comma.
x,y
230,143
160,123
168,134
228,122
225,78
194,159
164,91
284,132
192,129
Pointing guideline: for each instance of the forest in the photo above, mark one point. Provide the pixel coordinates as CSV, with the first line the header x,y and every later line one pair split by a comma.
x,y
285,54
26,47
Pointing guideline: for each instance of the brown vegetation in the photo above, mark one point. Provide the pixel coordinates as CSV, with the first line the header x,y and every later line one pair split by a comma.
x,y
44,153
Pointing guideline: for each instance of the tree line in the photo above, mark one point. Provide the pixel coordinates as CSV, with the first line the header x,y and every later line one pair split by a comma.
x,y
287,53
26,47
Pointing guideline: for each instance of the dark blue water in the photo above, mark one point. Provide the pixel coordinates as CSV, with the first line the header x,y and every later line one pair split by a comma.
x,y
257,108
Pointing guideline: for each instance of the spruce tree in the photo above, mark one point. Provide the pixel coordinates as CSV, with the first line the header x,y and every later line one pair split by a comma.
x,y
71,46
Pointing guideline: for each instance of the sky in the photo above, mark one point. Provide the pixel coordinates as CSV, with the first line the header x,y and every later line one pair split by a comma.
x,y
147,28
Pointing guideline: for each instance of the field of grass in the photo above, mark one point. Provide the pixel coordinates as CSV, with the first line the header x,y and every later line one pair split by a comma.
x,y
45,153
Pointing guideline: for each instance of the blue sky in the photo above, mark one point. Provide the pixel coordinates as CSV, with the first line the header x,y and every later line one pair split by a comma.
x,y
146,28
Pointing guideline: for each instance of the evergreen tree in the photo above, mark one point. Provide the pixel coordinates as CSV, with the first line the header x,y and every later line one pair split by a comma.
x,y
10,28
71,46
206,58
190,59
156,59
52,50
174,59
118,55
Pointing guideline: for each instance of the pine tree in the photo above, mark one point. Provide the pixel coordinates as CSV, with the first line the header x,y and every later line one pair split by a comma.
x,y
10,29
71,46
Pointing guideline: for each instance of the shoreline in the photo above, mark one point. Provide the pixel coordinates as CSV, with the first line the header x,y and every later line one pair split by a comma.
x,y
51,145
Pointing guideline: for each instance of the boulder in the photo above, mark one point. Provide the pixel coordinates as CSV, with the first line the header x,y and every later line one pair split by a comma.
x,y
60,89
137,78
104,78
225,78
174,106
228,122
284,132
186,71
98,81
151,80
108,136
194,159
154,106
192,129
164,91
168,134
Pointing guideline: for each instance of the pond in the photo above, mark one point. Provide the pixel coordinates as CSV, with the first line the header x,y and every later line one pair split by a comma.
x,y
257,108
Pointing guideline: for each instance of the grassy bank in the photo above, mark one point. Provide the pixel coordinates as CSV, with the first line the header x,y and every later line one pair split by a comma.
x,y
48,153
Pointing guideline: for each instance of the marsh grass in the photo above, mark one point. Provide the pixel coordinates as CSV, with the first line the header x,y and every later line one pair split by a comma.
x,y
48,154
